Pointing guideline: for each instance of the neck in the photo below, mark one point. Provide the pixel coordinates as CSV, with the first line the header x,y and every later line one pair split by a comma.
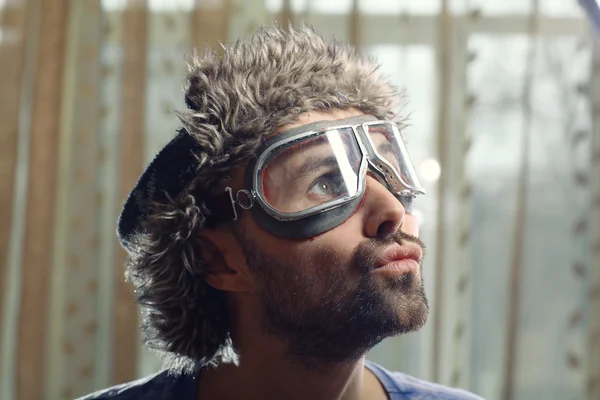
x,y
264,371
267,377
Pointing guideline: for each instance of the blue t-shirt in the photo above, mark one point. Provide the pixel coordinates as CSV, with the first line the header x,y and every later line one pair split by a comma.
x,y
163,386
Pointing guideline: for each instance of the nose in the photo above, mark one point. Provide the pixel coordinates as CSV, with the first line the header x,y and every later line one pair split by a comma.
x,y
384,213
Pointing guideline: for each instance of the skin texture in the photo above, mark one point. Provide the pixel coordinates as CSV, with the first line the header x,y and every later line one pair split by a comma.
x,y
304,312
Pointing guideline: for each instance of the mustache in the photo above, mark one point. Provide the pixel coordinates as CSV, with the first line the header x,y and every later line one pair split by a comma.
x,y
401,237
367,254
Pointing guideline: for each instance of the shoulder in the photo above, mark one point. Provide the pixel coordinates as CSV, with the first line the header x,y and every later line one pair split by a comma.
x,y
161,385
402,386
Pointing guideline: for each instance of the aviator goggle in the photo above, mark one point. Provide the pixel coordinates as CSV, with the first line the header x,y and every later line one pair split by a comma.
x,y
310,179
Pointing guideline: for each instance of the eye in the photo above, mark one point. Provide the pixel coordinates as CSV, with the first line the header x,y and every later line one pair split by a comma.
x,y
331,185
322,187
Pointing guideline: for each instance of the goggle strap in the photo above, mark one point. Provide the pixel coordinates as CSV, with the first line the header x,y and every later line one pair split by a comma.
x,y
222,208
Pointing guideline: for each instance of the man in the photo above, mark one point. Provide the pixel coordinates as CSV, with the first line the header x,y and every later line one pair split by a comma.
x,y
271,243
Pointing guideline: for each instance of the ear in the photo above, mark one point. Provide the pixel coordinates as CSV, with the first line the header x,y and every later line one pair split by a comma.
x,y
227,268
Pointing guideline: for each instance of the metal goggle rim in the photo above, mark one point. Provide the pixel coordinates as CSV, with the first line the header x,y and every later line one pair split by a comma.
x,y
361,137
387,170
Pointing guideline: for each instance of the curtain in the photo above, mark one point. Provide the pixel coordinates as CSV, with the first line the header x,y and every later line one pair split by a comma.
x,y
503,99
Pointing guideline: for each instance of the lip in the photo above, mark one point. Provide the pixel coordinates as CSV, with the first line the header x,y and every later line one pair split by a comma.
x,y
398,260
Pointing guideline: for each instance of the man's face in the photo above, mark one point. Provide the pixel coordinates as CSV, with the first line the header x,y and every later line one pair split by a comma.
x,y
329,297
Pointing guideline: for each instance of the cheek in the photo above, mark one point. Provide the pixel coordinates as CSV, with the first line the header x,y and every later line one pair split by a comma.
x,y
411,225
334,249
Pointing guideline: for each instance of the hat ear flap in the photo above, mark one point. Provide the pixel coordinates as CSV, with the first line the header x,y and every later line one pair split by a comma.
x,y
166,175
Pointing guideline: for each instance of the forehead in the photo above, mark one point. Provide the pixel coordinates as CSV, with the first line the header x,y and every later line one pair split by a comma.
x,y
316,116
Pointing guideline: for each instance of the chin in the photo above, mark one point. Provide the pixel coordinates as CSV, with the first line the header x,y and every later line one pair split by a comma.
x,y
411,309
412,315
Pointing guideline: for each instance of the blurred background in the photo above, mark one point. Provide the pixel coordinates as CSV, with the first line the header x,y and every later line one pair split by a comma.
x,y
504,105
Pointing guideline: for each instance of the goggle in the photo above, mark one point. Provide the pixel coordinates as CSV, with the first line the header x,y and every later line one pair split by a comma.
x,y
310,179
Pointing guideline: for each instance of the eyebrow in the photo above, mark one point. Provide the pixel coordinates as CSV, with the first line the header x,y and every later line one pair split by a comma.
x,y
313,163
386,148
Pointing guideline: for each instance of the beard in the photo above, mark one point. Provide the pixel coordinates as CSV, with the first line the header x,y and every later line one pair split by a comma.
x,y
324,314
